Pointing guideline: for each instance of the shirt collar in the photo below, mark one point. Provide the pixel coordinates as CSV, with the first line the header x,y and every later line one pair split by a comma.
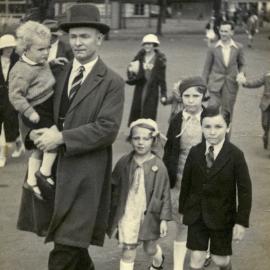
x,y
76,65
217,147
28,61
187,115
231,44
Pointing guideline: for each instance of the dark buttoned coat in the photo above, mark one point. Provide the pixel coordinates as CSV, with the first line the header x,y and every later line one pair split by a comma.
x,y
221,197
83,172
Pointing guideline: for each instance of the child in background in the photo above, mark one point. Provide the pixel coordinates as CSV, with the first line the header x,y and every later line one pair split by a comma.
x,y
184,132
141,204
215,197
31,92
265,103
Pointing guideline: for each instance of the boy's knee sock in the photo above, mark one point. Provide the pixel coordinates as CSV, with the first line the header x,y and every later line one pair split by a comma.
x,y
179,254
227,267
33,167
126,265
47,163
157,258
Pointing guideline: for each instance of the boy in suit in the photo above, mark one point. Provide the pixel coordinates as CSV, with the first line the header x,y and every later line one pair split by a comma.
x,y
215,197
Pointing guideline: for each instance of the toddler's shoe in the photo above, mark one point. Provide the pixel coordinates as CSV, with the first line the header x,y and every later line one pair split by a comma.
x,y
46,185
33,189
152,267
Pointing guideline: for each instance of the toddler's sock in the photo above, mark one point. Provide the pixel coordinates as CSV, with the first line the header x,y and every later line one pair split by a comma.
x,y
126,265
33,167
47,163
157,258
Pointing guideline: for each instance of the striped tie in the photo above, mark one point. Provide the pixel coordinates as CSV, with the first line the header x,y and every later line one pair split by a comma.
x,y
76,83
210,157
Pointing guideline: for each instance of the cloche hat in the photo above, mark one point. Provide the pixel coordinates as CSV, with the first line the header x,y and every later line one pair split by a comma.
x,y
191,82
7,41
84,15
150,38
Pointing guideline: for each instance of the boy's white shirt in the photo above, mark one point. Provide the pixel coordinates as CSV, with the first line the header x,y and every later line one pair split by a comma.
x,y
217,147
226,50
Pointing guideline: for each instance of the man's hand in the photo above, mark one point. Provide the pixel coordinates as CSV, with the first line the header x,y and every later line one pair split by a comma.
x,y
163,228
240,78
59,61
163,100
48,138
34,117
238,232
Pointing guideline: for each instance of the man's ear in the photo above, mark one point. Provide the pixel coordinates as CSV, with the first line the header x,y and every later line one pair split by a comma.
x,y
228,128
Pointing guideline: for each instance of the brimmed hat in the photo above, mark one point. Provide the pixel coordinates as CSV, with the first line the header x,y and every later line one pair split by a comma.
x,y
84,15
150,38
192,82
53,25
7,41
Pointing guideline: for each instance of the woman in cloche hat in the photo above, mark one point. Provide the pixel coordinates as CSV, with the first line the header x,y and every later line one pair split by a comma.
x,y
8,115
147,72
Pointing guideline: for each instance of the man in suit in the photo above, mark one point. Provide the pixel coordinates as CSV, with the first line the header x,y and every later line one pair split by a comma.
x,y
215,197
224,69
88,105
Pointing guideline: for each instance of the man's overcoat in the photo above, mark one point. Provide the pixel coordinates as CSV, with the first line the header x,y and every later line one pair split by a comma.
x,y
83,172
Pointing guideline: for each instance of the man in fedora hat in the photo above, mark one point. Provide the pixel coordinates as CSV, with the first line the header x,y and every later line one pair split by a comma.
x,y
88,105
60,52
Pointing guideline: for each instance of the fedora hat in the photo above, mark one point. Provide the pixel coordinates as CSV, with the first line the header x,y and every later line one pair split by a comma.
x,y
7,41
84,15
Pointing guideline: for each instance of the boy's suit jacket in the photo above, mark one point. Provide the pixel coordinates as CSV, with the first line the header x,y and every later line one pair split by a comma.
x,y
221,197
219,76
263,81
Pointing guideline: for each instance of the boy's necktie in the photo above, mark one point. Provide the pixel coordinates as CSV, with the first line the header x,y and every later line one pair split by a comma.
x,y
76,83
210,157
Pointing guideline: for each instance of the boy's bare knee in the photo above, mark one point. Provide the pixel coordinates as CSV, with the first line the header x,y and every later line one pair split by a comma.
x,y
221,261
197,258
128,255
150,247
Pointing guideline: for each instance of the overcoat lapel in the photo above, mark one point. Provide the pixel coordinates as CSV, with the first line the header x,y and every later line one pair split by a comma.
x,y
221,160
90,83
220,55
59,90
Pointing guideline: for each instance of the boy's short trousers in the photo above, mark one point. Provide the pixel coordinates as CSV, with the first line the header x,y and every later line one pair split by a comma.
x,y
199,236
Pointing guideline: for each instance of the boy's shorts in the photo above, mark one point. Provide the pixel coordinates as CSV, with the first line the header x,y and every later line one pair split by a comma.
x,y
199,236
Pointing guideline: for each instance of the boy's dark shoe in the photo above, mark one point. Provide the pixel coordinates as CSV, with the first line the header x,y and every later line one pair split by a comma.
x,y
47,189
265,141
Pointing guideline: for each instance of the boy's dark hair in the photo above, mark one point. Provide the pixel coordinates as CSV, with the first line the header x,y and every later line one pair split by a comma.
x,y
213,111
229,23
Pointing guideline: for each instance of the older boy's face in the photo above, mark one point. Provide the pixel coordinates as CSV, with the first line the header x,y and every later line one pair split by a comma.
x,y
225,32
39,51
214,129
85,42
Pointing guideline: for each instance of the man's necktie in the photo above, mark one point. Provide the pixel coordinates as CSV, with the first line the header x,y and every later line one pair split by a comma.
x,y
76,83
210,157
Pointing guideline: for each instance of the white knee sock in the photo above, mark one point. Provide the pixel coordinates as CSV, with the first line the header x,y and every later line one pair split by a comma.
x,y
33,167
47,163
157,258
179,254
126,265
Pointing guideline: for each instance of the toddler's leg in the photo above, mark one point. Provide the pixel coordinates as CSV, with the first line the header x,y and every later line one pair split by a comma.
x,y
33,166
179,247
153,249
46,166
128,258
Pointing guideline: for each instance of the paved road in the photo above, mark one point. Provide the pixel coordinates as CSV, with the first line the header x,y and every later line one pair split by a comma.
x,y
25,251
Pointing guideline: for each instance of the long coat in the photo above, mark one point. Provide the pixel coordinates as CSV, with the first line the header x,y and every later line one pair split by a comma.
x,y
83,173
223,195
157,190
156,83
221,79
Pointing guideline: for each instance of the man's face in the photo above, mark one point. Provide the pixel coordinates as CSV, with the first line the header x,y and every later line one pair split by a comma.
x,y
214,129
225,32
85,42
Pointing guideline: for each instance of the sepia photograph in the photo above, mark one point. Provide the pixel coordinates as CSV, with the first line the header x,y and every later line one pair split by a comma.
x,y
134,134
